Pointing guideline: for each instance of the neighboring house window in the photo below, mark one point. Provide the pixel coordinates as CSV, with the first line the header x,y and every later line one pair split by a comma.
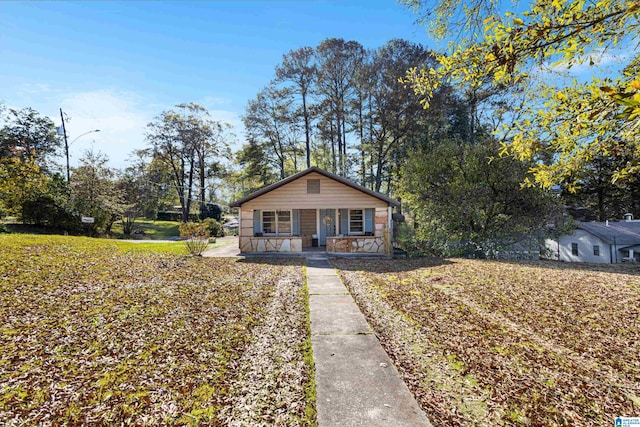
x,y
574,249
276,222
313,186
356,221
596,250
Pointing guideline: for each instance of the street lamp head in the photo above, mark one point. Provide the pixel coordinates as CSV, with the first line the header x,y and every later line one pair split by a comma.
x,y
68,144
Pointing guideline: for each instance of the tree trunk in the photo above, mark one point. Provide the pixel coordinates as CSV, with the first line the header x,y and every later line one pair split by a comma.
x,y
339,135
185,213
180,187
344,148
601,214
378,184
333,146
306,128
202,174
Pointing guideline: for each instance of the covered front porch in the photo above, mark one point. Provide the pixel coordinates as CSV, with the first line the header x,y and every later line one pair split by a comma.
x,y
232,250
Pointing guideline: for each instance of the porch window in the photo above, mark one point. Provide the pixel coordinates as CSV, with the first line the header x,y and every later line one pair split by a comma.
x,y
284,222
574,249
276,222
356,221
596,250
268,222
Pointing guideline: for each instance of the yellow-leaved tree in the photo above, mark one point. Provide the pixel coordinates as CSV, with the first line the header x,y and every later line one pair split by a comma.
x,y
561,128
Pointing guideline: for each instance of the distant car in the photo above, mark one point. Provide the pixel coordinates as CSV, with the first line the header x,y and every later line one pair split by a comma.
x,y
231,226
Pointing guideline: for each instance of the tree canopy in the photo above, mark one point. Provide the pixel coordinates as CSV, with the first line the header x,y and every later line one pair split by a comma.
x,y
338,106
560,128
186,141
27,134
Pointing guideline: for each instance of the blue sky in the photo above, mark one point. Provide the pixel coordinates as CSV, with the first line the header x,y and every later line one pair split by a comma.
x,y
116,65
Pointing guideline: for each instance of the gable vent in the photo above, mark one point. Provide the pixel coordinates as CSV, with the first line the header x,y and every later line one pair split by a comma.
x,y
313,186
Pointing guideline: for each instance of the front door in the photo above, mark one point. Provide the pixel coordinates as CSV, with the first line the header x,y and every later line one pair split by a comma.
x,y
308,226
327,225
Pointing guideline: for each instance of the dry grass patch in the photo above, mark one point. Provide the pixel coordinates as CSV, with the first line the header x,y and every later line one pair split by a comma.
x,y
91,334
495,343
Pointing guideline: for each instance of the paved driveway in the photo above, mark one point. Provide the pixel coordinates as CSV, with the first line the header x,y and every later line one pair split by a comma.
x,y
230,249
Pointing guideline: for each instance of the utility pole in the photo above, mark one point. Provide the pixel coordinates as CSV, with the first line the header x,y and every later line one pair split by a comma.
x,y
66,145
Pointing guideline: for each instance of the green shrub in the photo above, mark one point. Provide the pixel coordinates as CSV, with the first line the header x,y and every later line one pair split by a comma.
x,y
215,227
211,210
3,228
196,237
405,238
427,239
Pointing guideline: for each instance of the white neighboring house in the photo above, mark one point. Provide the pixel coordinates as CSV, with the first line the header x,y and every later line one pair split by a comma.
x,y
609,242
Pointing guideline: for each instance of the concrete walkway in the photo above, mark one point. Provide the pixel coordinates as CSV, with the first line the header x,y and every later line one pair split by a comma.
x,y
357,385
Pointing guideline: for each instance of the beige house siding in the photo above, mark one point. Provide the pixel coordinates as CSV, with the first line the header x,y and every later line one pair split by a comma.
x,y
333,195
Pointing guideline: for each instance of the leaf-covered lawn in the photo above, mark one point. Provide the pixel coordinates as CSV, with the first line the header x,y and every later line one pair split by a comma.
x,y
94,334
152,229
496,343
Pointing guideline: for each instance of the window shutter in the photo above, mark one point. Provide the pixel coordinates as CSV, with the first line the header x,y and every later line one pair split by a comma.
x,y
344,221
295,222
256,221
368,220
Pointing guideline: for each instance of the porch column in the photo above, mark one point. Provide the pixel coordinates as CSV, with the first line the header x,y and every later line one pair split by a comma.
x,y
390,224
245,232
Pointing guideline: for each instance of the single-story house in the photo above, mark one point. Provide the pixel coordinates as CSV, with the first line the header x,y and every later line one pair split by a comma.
x,y
315,208
607,242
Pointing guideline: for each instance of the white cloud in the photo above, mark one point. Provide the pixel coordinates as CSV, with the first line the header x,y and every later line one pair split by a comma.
x,y
121,117
592,62
34,89
214,101
225,116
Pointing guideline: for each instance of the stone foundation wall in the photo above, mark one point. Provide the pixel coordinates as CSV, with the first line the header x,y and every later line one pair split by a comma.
x,y
270,244
351,244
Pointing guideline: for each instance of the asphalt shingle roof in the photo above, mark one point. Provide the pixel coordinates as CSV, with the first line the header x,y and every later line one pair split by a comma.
x,y
620,233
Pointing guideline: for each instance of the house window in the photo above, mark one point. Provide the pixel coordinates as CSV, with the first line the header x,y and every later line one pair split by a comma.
x,y
596,250
356,221
574,249
276,222
268,222
313,186
284,222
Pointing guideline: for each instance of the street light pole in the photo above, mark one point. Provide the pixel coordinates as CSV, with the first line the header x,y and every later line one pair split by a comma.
x,y
67,144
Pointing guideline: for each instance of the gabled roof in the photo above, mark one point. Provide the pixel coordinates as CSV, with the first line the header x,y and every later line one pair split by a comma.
x,y
329,175
619,232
